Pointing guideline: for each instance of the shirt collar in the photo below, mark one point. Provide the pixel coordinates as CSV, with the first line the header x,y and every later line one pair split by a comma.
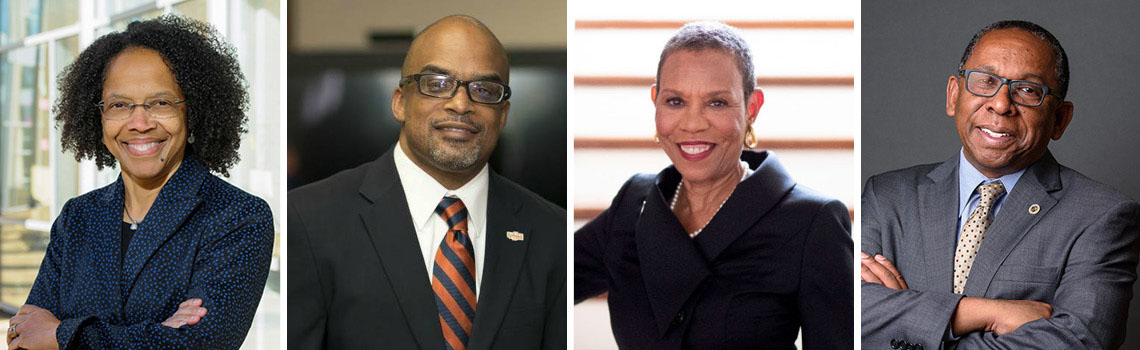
x,y
424,193
969,178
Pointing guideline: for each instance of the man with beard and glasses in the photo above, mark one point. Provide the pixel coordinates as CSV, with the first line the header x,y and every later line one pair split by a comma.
x,y
999,246
425,247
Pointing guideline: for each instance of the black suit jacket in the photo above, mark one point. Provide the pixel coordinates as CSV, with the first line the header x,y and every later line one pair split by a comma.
x,y
774,258
357,279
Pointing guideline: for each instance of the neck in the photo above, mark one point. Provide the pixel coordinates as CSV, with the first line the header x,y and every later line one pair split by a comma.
x,y
139,193
701,196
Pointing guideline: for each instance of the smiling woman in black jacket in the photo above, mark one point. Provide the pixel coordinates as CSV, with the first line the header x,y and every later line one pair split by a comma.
x,y
721,250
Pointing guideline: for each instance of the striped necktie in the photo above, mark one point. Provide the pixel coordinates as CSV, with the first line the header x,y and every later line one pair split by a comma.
x,y
970,239
453,277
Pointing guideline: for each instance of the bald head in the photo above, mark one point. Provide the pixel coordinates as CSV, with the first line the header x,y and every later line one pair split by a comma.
x,y
457,41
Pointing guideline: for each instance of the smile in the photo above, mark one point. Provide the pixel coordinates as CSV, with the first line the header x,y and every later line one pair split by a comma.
x,y
695,150
142,149
995,134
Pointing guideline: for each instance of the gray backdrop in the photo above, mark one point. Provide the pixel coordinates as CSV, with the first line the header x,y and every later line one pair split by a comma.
x,y
911,48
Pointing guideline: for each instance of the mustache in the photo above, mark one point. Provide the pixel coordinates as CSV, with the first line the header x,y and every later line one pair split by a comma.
x,y
462,119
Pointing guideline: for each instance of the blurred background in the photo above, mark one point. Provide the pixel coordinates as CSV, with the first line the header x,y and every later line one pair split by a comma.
x,y
344,62
805,54
38,38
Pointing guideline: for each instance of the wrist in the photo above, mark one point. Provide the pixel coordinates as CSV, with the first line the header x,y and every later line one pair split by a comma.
x,y
971,315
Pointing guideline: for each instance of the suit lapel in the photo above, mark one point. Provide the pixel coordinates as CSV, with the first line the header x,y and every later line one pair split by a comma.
x,y
177,199
1013,221
671,264
939,219
748,203
393,236
107,224
503,262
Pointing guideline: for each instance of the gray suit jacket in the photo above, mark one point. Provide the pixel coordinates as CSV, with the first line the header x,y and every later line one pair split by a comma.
x,y
1078,253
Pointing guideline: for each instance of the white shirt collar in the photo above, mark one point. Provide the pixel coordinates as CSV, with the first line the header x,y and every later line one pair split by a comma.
x,y
424,193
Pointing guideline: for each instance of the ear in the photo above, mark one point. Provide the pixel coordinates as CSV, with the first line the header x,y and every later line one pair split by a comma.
x,y
398,105
1062,117
754,104
653,93
503,115
951,95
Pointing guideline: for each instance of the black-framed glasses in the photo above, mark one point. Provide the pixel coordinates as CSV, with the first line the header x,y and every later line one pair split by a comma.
x,y
1022,92
445,86
160,108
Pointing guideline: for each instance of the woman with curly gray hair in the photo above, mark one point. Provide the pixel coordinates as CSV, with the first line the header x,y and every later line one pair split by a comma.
x,y
169,255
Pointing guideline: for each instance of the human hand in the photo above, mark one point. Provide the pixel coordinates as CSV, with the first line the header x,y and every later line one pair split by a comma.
x,y
996,315
880,270
189,312
33,328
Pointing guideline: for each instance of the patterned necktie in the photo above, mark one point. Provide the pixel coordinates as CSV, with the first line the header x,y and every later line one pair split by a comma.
x,y
453,277
973,231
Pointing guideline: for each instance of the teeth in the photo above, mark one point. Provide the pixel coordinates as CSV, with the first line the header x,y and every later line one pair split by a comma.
x,y
455,130
142,147
695,149
994,134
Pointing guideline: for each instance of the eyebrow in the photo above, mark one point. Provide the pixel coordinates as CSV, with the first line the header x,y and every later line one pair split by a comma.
x,y
990,69
157,94
713,93
431,68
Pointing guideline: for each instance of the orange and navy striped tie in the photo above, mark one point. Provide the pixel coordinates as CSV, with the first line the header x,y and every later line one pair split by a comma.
x,y
453,278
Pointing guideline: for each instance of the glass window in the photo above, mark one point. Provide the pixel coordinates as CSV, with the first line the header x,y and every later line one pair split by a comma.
x,y
26,186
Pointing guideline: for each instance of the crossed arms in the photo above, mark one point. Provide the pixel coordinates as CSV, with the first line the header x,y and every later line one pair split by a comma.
x,y
1087,309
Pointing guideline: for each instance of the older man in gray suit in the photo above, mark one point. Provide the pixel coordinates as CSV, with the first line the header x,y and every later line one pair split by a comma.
x,y
999,247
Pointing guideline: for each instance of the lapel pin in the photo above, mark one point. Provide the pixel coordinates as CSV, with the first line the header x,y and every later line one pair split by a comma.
x,y
514,236
1033,209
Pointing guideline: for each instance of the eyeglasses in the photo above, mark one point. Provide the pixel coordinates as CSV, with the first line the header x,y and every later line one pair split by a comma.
x,y
159,108
1022,92
444,86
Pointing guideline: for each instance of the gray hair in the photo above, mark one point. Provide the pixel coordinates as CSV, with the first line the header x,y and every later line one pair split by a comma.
x,y
718,36
1060,66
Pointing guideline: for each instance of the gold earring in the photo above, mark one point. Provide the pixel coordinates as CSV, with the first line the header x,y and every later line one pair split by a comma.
x,y
750,138
655,139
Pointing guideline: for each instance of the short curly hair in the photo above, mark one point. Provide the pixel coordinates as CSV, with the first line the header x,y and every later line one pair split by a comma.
x,y
205,68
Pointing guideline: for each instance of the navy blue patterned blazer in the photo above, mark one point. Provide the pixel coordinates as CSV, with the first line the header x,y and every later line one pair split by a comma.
x,y
202,238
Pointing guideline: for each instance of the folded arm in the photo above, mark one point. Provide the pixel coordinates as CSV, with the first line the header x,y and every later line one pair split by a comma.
x,y
229,276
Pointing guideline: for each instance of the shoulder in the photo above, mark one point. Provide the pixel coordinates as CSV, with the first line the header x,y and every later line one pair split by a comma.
x,y
910,176
221,195
1093,195
338,189
532,204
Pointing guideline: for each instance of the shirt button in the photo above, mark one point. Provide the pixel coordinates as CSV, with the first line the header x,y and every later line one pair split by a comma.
x,y
679,319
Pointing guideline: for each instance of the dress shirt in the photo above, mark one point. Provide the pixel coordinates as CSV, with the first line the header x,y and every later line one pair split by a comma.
x,y
424,193
968,180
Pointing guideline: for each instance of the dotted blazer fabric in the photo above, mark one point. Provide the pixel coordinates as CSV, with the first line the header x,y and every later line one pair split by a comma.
x,y
202,238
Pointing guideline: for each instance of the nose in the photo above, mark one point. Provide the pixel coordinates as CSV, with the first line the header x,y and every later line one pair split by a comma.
x,y
140,120
1002,103
460,103
692,120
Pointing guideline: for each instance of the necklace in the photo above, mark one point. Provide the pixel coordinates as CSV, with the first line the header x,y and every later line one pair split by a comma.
x,y
134,223
677,194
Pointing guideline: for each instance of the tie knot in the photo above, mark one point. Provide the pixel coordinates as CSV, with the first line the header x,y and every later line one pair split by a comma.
x,y
452,210
990,192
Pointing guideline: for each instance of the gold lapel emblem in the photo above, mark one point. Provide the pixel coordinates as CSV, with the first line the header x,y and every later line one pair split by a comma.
x,y
1033,209
515,236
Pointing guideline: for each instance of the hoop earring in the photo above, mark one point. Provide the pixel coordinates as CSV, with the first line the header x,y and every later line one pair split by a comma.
x,y
750,138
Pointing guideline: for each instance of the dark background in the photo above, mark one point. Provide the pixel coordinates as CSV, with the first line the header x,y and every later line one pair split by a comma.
x,y
340,116
910,49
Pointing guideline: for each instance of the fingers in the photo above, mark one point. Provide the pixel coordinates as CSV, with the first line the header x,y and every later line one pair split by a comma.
x,y
891,267
191,302
868,276
885,276
189,312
